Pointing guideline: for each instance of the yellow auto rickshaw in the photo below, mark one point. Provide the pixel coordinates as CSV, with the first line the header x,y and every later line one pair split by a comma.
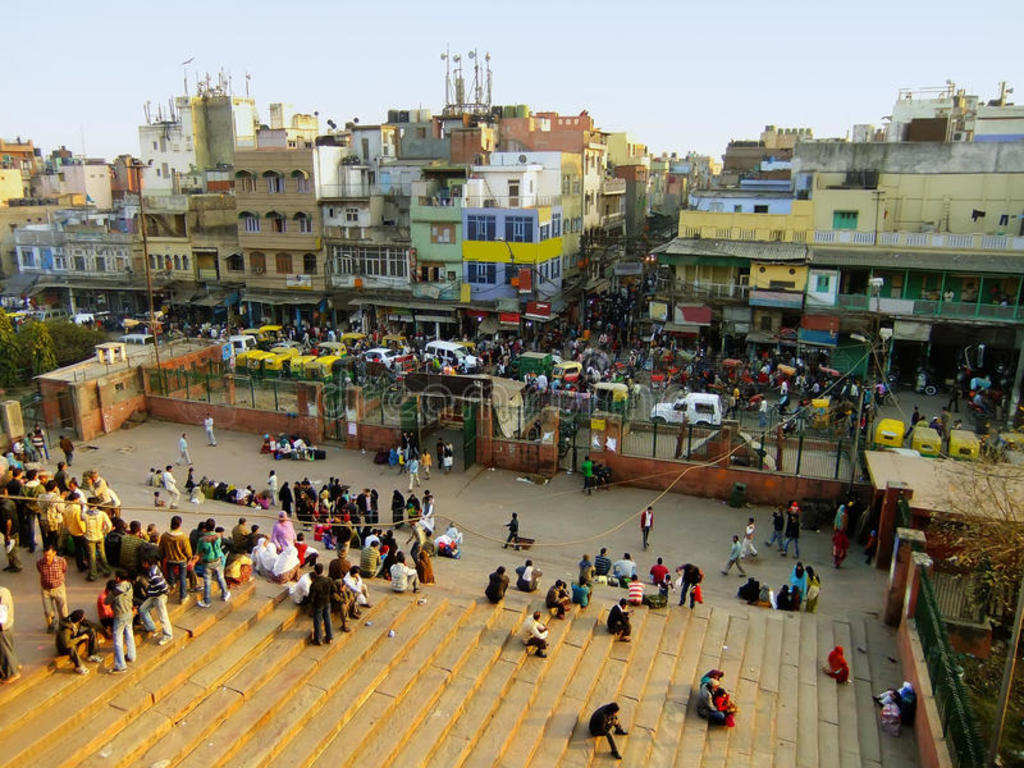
x,y
332,348
469,346
352,338
268,333
925,441
820,412
322,368
297,366
568,372
276,359
254,359
890,432
394,341
611,397
964,445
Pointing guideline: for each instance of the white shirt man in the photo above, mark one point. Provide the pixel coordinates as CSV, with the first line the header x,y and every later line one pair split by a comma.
x,y
172,488
208,426
354,583
402,576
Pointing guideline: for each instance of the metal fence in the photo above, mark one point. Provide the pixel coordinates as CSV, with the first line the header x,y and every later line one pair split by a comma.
x,y
211,383
959,723
806,455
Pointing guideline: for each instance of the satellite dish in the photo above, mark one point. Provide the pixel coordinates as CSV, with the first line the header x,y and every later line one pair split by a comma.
x,y
522,159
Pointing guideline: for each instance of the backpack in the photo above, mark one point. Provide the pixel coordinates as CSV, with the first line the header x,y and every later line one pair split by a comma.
x,y
52,517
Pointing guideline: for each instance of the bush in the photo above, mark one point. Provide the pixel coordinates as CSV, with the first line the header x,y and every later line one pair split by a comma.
x,y
72,342
9,353
35,349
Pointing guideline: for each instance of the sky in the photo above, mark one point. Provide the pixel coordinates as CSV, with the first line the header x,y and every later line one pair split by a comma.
x,y
677,76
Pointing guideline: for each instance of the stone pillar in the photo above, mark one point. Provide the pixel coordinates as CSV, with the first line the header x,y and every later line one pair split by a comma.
x,y
888,519
484,435
908,540
548,450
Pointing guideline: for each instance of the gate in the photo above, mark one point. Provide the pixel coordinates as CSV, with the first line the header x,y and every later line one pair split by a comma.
x,y
409,411
468,434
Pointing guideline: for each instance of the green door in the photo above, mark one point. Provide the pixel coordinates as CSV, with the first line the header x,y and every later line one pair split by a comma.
x,y
469,434
410,416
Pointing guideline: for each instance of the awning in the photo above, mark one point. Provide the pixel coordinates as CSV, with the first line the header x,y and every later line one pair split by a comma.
x,y
489,325
477,314
433,318
19,283
689,329
210,300
693,314
302,297
509,318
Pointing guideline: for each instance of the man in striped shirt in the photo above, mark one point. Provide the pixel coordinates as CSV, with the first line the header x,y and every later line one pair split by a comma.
x,y
636,591
156,598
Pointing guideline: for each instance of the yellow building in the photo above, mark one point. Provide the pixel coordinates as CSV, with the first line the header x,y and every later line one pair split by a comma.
x,y
12,186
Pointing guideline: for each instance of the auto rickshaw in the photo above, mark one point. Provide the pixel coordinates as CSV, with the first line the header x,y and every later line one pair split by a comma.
x,y
270,333
611,397
394,341
352,339
275,360
964,445
297,366
568,371
890,432
332,348
254,359
469,346
322,368
926,441
820,407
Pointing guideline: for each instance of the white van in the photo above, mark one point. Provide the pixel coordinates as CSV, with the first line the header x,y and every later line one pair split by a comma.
x,y
242,343
450,353
137,338
692,408
50,314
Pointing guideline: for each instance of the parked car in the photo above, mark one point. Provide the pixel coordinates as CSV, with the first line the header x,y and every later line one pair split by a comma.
x,y
382,355
692,408
137,338
453,354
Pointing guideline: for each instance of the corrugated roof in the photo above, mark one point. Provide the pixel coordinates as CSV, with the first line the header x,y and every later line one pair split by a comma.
x,y
738,249
872,257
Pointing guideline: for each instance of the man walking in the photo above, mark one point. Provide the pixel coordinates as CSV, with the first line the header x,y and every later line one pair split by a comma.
x,y
735,553
792,529
183,455
208,426
68,448
120,597
778,526
587,470
53,571
171,485
646,523
749,550
413,467
513,532
156,599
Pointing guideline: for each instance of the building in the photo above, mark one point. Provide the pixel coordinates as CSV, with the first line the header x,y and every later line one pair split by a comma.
x,y
281,262
948,113
75,180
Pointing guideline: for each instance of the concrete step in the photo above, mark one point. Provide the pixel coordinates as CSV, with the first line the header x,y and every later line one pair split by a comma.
x,y
173,689
695,730
742,742
76,701
520,696
466,678
371,734
361,679
867,732
494,683
643,722
549,682
809,675
681,681
573,709
347,653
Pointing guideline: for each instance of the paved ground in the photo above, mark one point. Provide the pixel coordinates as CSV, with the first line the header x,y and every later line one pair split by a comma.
x,y
565,522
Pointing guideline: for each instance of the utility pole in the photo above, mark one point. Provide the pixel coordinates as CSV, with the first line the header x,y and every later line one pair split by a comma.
x,y
137,166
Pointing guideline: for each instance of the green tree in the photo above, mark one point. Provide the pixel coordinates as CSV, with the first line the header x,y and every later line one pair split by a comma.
x,y
9,356
36,349
72,342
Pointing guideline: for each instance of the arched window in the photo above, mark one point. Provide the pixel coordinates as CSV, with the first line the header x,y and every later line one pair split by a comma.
x,y
303,185
278,222
236,263
250,221
305,222
275,182
245,181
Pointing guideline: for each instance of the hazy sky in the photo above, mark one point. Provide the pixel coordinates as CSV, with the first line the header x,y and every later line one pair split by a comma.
x,y
677,75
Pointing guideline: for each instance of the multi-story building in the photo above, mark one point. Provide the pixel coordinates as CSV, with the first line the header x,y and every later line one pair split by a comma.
x,y
281,264
925,239
949,113
76,180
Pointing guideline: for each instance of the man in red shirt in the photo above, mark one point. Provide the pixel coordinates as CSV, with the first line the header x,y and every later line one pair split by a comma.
x,y
53,570
658,572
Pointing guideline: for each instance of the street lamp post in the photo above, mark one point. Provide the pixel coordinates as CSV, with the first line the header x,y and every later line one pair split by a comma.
x,y
137,167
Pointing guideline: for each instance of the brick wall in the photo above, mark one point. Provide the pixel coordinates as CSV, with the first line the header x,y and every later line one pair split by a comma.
x,y
235,418
932,748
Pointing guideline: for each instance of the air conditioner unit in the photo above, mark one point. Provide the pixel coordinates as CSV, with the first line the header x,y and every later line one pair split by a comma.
x,y
491,203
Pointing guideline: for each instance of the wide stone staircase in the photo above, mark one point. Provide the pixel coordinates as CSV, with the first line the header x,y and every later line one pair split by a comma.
x,y
446,683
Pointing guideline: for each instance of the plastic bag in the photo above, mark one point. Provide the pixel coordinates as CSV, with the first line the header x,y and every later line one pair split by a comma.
x,y
698,594
890,719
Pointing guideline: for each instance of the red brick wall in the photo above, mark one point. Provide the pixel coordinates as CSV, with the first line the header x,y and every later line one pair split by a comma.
x,y
374,437
932,749
233,417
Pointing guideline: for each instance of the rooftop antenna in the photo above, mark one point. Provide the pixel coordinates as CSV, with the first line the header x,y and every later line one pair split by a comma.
x,y
184,72
248,77
446,57
487,59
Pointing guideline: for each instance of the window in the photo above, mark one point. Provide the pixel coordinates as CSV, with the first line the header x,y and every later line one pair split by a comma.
x,y
760,209
28,257
154,146
480,273
352,215
60,261
258,263
844,219
177,261
278,223
556,225
154,261
284,263
821,283
245,182
442,233
275,182
511,273
79,263
545,231
309,264
519,229
737,208
167,172
236,263
305,223
251,223
184,262
556,268
481,227
303,185
431,273
374,261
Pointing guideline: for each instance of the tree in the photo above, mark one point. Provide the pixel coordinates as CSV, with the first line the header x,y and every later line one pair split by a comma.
x,y
36,348
73,342
9,374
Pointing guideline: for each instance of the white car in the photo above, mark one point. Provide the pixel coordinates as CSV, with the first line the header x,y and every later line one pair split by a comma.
x,y
693,408
382,355
83,318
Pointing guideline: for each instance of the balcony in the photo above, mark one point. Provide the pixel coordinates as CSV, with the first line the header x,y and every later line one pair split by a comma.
x,y
446,291
760,297
939,240
613,187
951,310
705,290
507,201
